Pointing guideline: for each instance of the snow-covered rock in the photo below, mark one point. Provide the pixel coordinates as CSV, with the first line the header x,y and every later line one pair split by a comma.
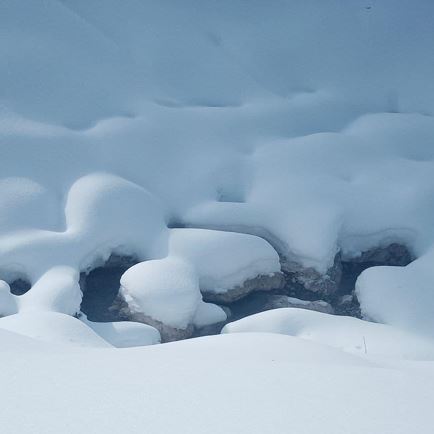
x,y
400,296
165,294
229,265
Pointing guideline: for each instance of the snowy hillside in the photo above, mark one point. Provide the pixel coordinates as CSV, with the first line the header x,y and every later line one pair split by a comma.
x,y
173,169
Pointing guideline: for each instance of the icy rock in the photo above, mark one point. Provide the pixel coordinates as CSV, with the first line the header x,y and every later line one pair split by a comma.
x,y
259,283
278,301
312,280
393,255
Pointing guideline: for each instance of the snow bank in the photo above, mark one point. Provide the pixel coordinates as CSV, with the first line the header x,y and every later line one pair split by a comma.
x,y
348,334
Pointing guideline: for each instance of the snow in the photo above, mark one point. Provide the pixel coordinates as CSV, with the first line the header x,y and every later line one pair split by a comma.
x,y
209,141
57,290
124,334
207,314
167,290
212,385
345,333
223,260
403,297
52,327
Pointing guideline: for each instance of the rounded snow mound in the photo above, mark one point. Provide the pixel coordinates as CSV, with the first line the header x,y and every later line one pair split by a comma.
x,y
56,328
345,333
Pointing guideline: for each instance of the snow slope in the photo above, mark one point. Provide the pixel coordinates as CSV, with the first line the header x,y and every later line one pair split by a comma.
x,y
243,383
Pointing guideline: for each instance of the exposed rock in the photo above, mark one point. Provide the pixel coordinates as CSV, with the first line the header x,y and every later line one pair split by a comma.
x,y
279,301
259,283
167,332
348,305
311,280
20,286
393,255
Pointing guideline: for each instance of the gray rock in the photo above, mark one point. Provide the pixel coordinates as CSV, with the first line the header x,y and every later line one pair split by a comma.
x,y
259,283
311,280
168,333
394,254
279,301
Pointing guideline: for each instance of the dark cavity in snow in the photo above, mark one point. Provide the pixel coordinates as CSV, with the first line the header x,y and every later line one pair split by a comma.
x,y
101,302
344,300
19,286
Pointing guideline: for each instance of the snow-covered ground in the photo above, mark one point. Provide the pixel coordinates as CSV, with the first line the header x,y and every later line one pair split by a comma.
x,y
236,383
222,148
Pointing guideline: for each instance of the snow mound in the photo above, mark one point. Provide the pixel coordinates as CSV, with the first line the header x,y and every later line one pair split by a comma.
x,y
57,290
56,328
8,303
223,260
400,296
167,290
345,333
125,334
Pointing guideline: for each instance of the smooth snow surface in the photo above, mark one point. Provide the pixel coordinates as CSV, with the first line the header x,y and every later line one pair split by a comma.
x,y
52,327
240,383
345,333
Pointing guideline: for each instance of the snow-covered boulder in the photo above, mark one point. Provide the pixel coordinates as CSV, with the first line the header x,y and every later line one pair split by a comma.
x,y
165,293
400,296
230,265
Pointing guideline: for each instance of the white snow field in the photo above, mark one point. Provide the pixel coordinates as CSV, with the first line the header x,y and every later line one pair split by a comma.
x,y
222,150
